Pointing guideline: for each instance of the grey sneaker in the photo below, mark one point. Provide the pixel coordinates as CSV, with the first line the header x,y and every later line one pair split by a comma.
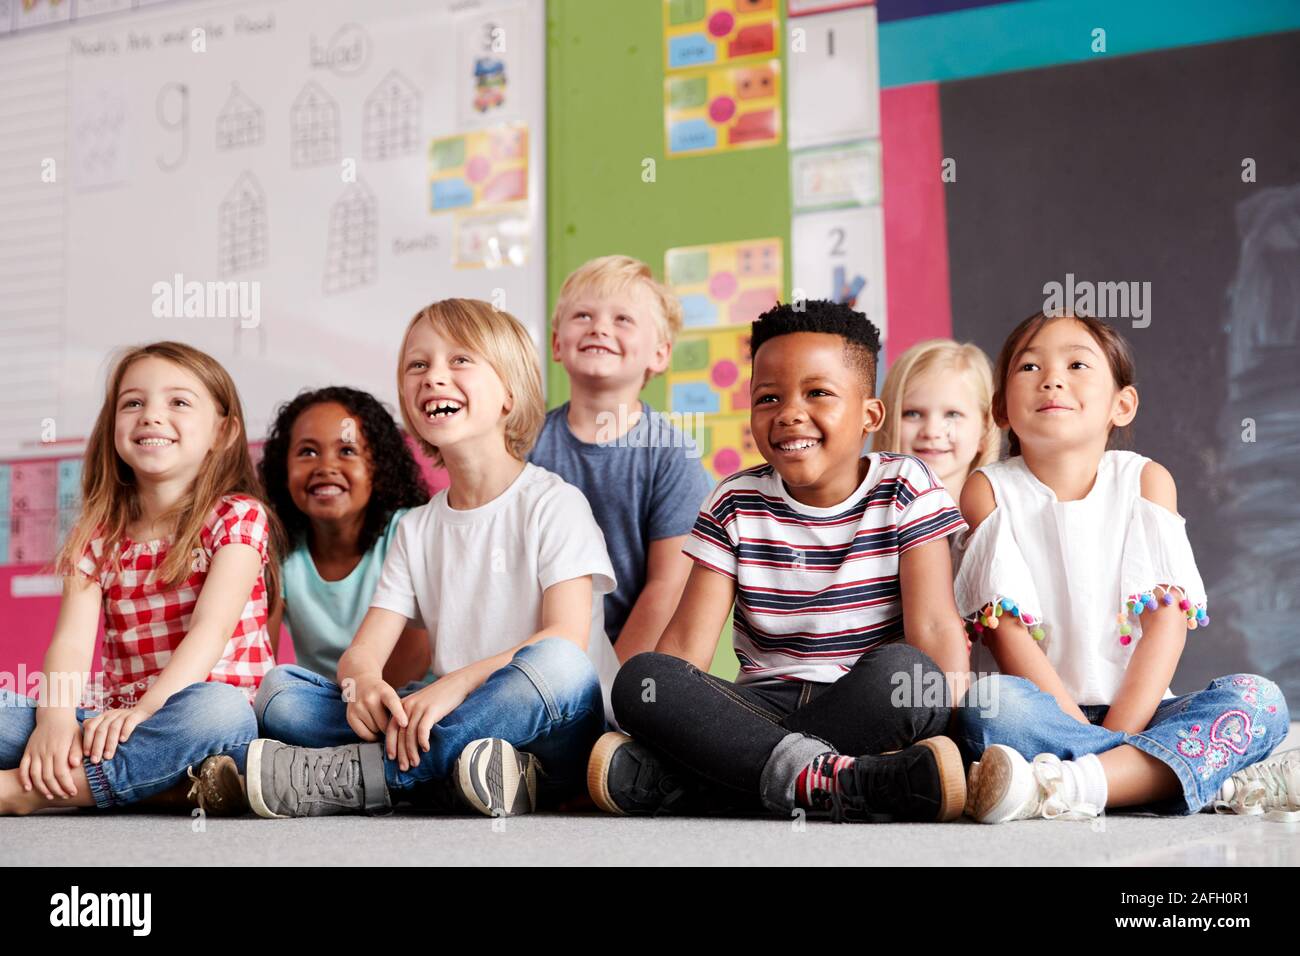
x,y
496,779
286,781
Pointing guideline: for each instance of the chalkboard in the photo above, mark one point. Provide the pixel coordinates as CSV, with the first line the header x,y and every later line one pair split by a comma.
x,y
1139,169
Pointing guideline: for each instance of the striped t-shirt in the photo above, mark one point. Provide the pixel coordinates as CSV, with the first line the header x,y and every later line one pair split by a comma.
x,y
816,588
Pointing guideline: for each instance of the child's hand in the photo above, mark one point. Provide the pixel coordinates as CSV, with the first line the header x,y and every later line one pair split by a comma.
x,y
368,715
53,749
102,733
425,708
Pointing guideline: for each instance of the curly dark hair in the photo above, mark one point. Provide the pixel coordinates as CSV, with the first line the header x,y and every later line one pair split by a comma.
x,y
395,478
861,337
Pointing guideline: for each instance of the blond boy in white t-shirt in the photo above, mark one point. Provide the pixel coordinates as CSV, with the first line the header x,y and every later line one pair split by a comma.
x,y
505,569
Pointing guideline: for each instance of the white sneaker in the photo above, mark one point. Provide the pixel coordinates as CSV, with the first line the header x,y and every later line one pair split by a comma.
x,y
1008,788
1270,786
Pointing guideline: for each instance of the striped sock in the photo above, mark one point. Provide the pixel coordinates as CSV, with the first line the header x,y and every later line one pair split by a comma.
x,y
820,779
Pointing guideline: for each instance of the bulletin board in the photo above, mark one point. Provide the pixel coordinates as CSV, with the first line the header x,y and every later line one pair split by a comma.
x,y
661,63
734,223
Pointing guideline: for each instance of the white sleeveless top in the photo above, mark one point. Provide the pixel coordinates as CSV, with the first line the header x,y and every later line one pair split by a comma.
x,y
1075,571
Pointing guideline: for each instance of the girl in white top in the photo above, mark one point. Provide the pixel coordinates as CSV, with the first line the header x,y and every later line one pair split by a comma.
x,y
505,569
1078,577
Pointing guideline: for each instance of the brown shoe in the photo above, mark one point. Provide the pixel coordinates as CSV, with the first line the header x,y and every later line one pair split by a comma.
x,y
218,788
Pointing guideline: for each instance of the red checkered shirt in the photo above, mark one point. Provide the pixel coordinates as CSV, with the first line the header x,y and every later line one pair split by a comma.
x,y
145,621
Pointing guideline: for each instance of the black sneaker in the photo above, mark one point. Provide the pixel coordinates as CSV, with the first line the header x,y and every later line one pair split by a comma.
x,y
626,777
286,781
925,783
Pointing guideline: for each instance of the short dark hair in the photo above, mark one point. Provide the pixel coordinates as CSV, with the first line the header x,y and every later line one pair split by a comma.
x,y
861,337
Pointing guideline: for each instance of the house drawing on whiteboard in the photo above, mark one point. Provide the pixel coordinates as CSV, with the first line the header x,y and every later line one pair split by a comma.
x,y
240,122
241,241
314,127
391,121
98,131
351,258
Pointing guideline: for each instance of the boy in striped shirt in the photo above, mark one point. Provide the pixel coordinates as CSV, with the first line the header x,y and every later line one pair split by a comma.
x,y
838,568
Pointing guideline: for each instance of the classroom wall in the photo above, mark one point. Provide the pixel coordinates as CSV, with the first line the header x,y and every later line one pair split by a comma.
x,y
1127,166
605,117
1018,91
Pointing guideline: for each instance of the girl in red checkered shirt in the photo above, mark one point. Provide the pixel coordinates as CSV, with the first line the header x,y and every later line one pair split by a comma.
x,y
173,547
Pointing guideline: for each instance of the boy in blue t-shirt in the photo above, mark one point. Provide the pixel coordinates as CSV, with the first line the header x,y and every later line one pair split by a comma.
x,y
613,330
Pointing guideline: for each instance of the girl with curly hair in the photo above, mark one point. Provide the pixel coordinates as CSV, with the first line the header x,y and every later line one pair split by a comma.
x,y
339,475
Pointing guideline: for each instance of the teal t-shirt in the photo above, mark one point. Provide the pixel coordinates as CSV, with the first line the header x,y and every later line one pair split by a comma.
x,y
323,616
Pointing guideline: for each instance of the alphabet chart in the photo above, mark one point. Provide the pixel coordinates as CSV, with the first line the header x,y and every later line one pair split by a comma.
x,y
483,168
712,32
710,372
727,445
39,501
709,111
730,283
722,288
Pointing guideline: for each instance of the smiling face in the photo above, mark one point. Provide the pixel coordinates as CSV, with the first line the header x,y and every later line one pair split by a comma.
x,y
329,464
810,413
453,396
1060,392
940,422
165,421
611,341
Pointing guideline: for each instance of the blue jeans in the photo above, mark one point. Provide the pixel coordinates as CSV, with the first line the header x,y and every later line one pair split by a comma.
x,y
1204,737
545,702
199,721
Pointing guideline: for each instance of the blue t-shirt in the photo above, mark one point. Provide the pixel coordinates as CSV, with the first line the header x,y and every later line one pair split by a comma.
x,y
645,485
323,616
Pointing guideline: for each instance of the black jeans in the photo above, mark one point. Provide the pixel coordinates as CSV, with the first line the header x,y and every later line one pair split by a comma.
x,y
750,742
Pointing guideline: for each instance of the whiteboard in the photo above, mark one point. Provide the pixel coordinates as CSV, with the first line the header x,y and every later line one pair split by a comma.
x,y
283,146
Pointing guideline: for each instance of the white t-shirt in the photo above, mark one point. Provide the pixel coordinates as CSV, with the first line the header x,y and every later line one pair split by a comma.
x,y
475,578
1077,566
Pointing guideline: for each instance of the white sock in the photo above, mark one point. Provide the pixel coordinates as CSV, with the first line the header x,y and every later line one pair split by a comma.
x,y
1087,780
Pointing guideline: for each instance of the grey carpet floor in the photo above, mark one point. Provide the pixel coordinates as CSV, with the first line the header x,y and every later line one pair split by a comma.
x,y
72,838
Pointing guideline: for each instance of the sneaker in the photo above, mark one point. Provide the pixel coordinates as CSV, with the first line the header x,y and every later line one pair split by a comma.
x,y
1271,786
217,788
972,785
496,779
286,781
626,777
1010,789
925,782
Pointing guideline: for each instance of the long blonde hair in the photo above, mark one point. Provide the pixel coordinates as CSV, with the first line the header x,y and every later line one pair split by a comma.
x,y
501,339
110,496
935,355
